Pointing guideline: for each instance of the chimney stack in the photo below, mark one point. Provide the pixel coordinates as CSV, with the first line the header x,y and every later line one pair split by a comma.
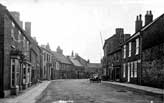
x,y
16,16
138,23
28,28
120,33
72,54
59,50
148,17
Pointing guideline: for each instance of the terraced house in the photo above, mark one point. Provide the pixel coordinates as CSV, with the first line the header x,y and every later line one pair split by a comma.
x,y
47,63
15,66
143,53
63,67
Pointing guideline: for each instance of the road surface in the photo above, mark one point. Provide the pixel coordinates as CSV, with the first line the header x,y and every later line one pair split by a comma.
x,y
82,91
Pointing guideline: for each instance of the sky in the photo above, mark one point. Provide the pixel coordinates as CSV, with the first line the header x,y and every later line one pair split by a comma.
x,y
76,25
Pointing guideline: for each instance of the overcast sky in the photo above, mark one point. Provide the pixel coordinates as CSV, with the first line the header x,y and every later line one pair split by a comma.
x,y
76,24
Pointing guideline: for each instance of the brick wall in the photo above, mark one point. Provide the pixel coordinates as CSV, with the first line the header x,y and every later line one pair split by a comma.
x,y
153,66
1,53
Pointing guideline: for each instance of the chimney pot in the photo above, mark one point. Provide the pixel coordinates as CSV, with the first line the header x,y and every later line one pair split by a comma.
x,y
148,17
140,16
138,23
150,12
137,18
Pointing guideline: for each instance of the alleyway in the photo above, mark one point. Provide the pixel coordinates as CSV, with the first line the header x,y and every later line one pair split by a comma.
x,y
82,91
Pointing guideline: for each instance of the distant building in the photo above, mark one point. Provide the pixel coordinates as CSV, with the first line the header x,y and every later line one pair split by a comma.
x,y
47,62
84,63
63,67
78,68
93,68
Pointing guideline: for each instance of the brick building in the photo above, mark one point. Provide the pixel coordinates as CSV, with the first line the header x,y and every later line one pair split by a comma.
x,y
15,66
112,55
143,53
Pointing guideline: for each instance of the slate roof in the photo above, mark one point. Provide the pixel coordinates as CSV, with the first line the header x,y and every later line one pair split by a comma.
x,y
61,58
75,62
81,60
144,28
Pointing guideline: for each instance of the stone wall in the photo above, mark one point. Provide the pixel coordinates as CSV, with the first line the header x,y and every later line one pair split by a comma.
x,y
153,66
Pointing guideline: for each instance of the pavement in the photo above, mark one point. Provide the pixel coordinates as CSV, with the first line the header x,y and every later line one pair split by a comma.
x,y
29,96
139,88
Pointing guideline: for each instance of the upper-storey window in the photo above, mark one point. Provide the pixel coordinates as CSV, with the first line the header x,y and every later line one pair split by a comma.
x,y
13,25
130,49
137,46
19,36
28,46
24,41
124,55
12,34
44,56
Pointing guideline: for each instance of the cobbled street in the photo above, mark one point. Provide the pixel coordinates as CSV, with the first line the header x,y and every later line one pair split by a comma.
x,y
82,91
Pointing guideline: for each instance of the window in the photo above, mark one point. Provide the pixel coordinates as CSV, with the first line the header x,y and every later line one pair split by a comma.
x,y
13,72
124,70
28,45
12,34
44,71
137,46
130,49
13,25
47,57
135,69
19,34
44,56
124,54
23,42
132,69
